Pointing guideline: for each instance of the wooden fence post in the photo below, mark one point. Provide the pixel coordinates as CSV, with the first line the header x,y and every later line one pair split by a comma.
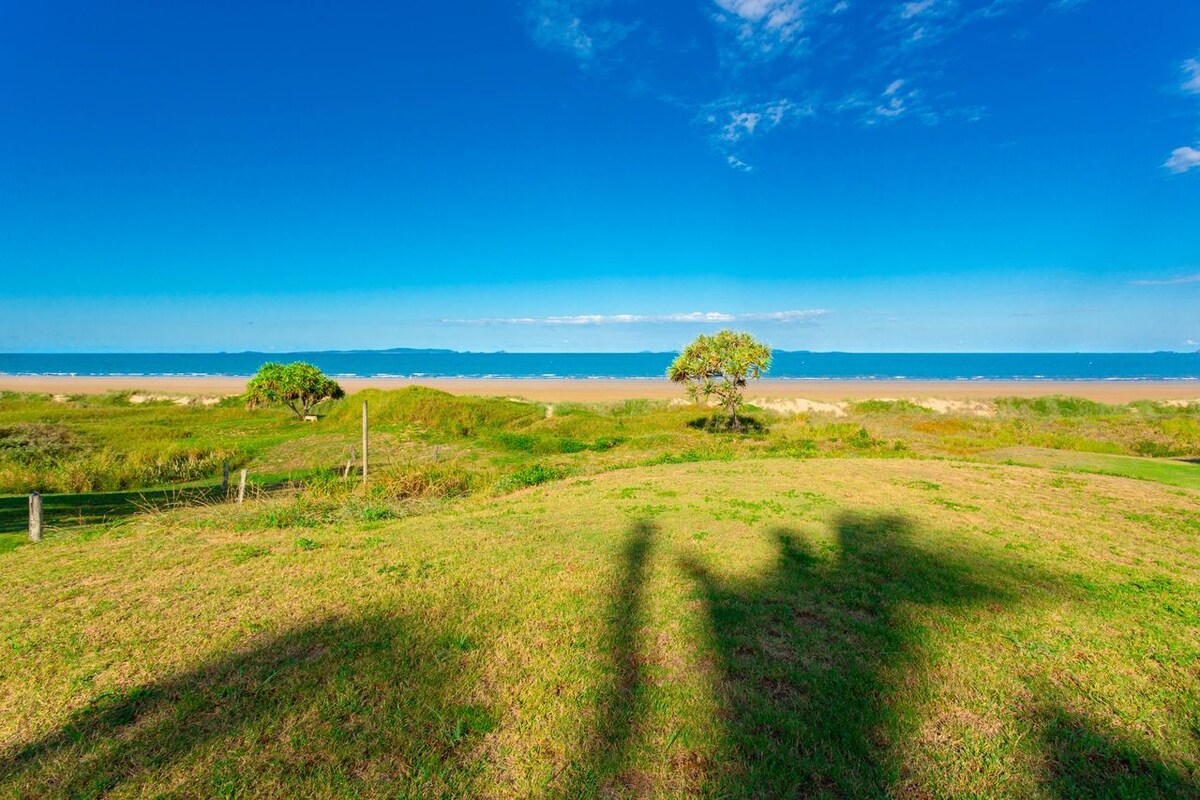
x,y
242,488
225,480
364,444
35,517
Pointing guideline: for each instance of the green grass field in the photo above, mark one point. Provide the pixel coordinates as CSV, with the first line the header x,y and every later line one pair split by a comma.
x,y
616,602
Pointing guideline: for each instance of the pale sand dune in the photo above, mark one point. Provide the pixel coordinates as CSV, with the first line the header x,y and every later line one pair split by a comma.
x,y
601,390
798,405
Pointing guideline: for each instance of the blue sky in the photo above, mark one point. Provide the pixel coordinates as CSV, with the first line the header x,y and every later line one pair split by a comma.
x,y
934,175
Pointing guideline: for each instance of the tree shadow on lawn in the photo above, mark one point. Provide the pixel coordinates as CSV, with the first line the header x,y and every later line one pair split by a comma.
x,y
808,655
338,707
1086,761
620,703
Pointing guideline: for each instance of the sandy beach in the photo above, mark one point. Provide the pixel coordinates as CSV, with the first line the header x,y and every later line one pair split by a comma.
x,y
600,390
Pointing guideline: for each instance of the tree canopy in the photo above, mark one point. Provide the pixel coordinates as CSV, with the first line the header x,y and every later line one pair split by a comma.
x,y
298,385
719,366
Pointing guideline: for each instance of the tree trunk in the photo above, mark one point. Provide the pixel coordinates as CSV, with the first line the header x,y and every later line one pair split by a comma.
x,y
734,422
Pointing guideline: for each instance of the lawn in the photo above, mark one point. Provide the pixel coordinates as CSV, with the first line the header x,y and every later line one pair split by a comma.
x,y
1173,471
773,627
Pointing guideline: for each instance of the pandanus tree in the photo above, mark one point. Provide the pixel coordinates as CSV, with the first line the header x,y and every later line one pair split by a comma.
x,y
719,366
298,385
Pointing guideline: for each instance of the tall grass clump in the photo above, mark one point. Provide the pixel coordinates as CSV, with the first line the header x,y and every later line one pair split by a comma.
x,y
327,497
1058,406
890,407
52,457
423,481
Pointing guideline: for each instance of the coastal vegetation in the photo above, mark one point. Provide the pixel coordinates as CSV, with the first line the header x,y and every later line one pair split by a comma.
x,y
903,598
718,366
299,386
124,442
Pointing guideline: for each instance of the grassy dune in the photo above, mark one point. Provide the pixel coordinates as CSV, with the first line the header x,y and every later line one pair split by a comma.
x,y
745,628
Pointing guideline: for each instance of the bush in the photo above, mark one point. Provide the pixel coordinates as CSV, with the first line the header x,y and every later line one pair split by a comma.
x,y
29,442
1153,449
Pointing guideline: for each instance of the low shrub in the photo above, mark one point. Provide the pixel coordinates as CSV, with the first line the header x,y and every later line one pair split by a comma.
x,y
530,476
30,442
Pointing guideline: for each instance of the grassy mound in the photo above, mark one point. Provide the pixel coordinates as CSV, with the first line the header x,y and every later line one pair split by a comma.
x,y
430,410
752,628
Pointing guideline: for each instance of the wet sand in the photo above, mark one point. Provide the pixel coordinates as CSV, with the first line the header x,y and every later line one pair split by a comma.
x,y
600,390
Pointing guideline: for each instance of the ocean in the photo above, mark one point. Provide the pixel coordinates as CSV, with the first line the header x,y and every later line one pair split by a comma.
x,y
787,364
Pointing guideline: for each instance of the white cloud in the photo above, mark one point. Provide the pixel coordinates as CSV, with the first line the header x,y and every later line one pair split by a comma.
x,y
1168,281
910,10
740,123
1191,80
1183,159
701,317
733,122
569,26
895,101
783,316
830,53
1191,342
764,27
744,123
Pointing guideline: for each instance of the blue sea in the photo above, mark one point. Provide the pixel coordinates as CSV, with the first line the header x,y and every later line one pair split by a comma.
x,y
787,364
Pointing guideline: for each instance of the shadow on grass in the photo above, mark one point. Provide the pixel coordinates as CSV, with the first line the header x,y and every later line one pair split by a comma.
x,y
366,706
619,704
91,508
720,423
807,655
94,508
1085,761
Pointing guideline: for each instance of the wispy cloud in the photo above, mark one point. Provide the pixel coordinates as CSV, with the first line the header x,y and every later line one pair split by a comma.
x,y
763,28
1191,76
574,27
1168,281
894,101
779,61
1183,159
738,164
910,10
694,317
898,99
733,123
